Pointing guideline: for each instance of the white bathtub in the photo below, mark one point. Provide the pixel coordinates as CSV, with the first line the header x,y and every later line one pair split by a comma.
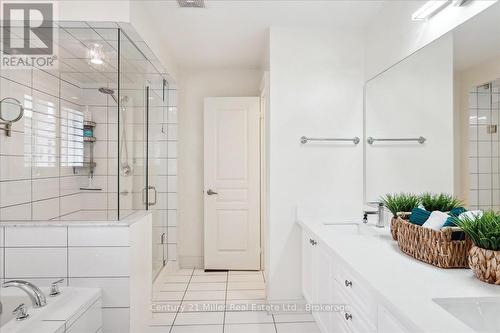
x,y
74,310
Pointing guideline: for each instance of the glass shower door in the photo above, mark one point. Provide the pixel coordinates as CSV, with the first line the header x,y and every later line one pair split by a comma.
x,y
131,160
157,170
145,188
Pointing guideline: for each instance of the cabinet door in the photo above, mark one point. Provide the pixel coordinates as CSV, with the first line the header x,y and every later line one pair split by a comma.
x,y
307,265
387,322
322,282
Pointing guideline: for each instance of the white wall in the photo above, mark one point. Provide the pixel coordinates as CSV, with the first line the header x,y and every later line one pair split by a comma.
x,y
412,99
316,89
392,35
194,86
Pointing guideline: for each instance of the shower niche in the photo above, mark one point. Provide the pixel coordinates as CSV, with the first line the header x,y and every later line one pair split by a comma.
x,y
89,163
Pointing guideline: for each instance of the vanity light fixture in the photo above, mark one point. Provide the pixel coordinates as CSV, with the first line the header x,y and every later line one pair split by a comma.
x,y
96,55
429,9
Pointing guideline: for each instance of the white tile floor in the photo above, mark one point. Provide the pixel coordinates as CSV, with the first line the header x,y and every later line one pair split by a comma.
x,y
194,301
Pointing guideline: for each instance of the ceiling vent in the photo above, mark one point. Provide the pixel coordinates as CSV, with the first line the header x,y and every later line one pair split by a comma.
x,y
191,3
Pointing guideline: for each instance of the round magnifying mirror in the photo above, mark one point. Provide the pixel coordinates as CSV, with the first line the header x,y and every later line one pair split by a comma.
x,y
11,110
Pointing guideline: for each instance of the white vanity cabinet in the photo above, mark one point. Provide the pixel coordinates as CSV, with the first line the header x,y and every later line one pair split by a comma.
x,y
316,278
327,280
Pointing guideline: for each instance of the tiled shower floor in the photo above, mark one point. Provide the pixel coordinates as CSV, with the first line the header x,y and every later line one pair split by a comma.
x,y
194,301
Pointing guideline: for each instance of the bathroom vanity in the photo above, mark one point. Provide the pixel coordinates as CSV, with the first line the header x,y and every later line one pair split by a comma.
x,y
374,287
112,255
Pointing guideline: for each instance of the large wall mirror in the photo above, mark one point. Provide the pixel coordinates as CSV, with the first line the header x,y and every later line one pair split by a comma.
x,y
432,120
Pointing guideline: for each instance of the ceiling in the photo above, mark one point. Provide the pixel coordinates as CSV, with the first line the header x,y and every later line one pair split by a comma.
x,y
233,34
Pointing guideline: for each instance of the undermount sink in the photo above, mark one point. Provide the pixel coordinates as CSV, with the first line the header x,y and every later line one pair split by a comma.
x,y
481,314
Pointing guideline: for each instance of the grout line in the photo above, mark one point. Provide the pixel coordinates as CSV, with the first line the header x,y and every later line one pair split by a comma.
x,y
225,303
274,322
182,301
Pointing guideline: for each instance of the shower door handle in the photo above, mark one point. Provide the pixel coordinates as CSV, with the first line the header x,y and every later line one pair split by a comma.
x,y
146,189
151,187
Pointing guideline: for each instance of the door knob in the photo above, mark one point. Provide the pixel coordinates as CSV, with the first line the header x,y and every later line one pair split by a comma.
x,y
210,192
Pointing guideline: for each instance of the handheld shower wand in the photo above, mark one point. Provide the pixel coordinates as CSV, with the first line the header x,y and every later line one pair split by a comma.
x,y
125,167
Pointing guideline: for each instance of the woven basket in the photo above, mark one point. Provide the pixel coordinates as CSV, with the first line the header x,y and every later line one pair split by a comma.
x,y
485,264
395,224
433,247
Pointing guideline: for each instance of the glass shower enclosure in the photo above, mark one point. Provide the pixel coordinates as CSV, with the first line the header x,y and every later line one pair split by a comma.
x,y
95,133
143,143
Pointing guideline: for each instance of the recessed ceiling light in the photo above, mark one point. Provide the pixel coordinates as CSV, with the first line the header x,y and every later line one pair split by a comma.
x,y
429,9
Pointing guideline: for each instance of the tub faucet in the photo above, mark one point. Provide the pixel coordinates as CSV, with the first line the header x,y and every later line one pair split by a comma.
x,y
379,212
35,294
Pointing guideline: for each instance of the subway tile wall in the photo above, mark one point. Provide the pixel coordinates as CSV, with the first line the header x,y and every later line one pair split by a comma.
x,y
36,163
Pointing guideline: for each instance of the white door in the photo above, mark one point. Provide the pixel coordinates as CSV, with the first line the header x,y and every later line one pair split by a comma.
x,y
232,183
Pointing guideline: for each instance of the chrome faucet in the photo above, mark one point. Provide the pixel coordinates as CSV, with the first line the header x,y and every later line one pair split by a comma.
x,y
379,212
36,296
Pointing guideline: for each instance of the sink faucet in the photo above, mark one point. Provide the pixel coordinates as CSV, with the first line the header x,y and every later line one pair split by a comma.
x,y
379,212
35,294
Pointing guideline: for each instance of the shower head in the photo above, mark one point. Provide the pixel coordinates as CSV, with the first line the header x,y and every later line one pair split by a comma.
x,y
110,92
106,91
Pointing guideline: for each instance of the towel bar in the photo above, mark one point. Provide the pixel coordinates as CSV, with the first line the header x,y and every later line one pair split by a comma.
x,y
420,140
305,139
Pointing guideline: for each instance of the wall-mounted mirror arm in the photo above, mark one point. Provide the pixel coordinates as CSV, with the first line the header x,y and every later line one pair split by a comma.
x,y
11,110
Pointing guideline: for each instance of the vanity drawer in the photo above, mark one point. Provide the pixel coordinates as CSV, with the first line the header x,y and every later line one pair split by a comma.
x,y
352,315
357,294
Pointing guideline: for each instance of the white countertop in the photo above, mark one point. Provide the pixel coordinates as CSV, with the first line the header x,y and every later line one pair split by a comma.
x,y
126,222
403,283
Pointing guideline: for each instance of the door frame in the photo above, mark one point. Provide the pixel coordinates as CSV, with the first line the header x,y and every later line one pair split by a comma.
x,y
264,230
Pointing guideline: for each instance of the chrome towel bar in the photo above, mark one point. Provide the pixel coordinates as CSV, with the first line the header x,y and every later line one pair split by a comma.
x,y
305,139
420,140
